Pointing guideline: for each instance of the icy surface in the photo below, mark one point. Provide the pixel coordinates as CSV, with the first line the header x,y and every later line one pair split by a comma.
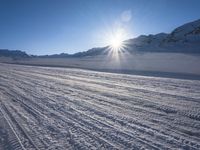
x,y
54,108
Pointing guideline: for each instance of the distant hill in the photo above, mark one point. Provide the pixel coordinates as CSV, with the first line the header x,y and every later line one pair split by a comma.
x,y
62,55
15,54
184,39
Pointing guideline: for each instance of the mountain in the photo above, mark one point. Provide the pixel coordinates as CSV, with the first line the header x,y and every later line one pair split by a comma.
x,y
62,55
92,52
15,54
184,39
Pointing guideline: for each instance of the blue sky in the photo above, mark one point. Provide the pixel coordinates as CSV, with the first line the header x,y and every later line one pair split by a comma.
x,y
55,26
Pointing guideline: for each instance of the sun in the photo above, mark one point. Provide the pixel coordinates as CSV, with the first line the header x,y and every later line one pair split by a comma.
x,y
116,43
116,40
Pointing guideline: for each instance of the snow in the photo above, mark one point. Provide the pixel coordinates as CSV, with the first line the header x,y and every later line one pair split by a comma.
x,y
156,62
185,39
57,108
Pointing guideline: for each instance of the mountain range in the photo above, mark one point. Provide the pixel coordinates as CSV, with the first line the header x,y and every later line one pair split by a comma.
x,y
184,39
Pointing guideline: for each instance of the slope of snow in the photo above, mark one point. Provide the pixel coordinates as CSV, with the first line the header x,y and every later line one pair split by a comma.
x,y
184,39
187,29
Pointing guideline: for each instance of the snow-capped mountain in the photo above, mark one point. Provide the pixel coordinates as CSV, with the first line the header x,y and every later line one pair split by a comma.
x,y
184,39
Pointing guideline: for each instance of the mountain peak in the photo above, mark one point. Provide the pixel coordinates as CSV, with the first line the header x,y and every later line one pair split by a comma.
x,y
187,29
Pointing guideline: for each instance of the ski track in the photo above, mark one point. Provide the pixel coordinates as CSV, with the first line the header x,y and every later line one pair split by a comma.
x,y
57,108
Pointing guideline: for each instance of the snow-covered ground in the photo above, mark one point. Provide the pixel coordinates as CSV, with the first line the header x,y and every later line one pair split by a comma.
x,y
59,108
156,62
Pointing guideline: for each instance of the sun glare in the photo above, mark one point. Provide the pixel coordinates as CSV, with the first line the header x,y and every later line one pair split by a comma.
x,y
116,43
116,40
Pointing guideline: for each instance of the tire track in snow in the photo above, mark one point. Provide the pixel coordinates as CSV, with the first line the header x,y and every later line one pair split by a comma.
x,y
92,108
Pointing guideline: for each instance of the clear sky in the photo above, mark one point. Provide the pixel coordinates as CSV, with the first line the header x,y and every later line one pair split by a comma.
x,y
55,26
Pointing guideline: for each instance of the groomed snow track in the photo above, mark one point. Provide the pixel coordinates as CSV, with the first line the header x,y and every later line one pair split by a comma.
x,y
56,108
9,140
